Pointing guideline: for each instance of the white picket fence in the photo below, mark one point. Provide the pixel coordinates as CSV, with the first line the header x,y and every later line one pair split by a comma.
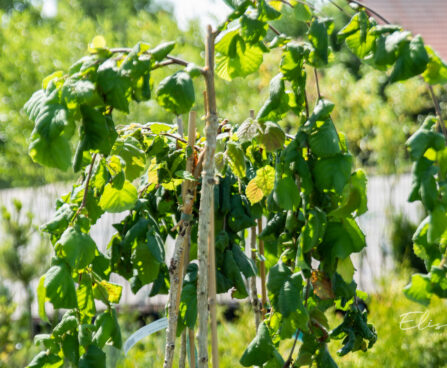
x,y
386,195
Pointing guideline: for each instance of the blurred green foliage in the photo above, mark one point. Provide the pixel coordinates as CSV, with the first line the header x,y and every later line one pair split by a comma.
x,y
376,118
21,258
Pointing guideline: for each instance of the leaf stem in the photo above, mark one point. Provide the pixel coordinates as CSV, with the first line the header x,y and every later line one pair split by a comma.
x,y
438,110
370,10
84,198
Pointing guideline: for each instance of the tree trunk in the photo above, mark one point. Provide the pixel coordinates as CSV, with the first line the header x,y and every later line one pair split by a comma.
x,y
206,204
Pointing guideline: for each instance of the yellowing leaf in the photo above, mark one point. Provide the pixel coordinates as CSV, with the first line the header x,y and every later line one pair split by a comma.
x,y
277,5
265,179
152,172
113,291
98,42
253,192
346,269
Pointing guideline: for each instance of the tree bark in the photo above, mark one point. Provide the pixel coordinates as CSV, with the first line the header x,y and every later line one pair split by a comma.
x,y
176,265
206,204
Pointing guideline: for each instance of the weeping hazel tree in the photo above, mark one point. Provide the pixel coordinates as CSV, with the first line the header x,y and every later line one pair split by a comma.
x,y
248,205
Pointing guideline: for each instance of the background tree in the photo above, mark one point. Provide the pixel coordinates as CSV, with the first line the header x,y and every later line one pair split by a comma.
x,y
22,259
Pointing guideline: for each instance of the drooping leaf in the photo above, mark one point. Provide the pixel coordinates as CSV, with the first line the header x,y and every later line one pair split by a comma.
x,y
118,200
175,93
419,289
260,350
76,248
59,286
412,60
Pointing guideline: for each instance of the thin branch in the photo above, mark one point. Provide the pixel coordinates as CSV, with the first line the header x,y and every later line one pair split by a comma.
x,y
317,83
274,30
372,11
438,110
170,59
339,7
176,265
84,198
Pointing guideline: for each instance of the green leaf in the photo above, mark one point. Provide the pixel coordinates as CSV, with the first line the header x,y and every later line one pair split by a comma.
x,y
45,360
114,83
425,138
231,270
278,102
289,298
41,296
188,305
237,60
53,152
332,173
59,286
273,137
245,264
346,269
313,230
144,262
60,220
105,325
424,186
70,348
353,197
419,289
324,359
412,60
86,301
267,12
436,71
286,194
292,61
265,179
357,36
252,29
260,350
342,238
94,357
321,112
437,224
323,141
118,200
319,38
161,51
425,250
130,150
248,130
175,93
76,248
277,275
236,157
156,245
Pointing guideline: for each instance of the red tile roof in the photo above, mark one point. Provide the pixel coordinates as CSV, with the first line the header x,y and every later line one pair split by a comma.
x,y
427,18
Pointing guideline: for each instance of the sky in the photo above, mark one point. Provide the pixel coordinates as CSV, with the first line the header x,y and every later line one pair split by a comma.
x,y
208,11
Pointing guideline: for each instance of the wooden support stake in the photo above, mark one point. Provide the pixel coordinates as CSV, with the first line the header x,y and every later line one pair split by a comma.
x,y
206,204
212,292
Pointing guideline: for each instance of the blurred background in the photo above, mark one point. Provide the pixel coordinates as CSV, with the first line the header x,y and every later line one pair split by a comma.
x,y
39,37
